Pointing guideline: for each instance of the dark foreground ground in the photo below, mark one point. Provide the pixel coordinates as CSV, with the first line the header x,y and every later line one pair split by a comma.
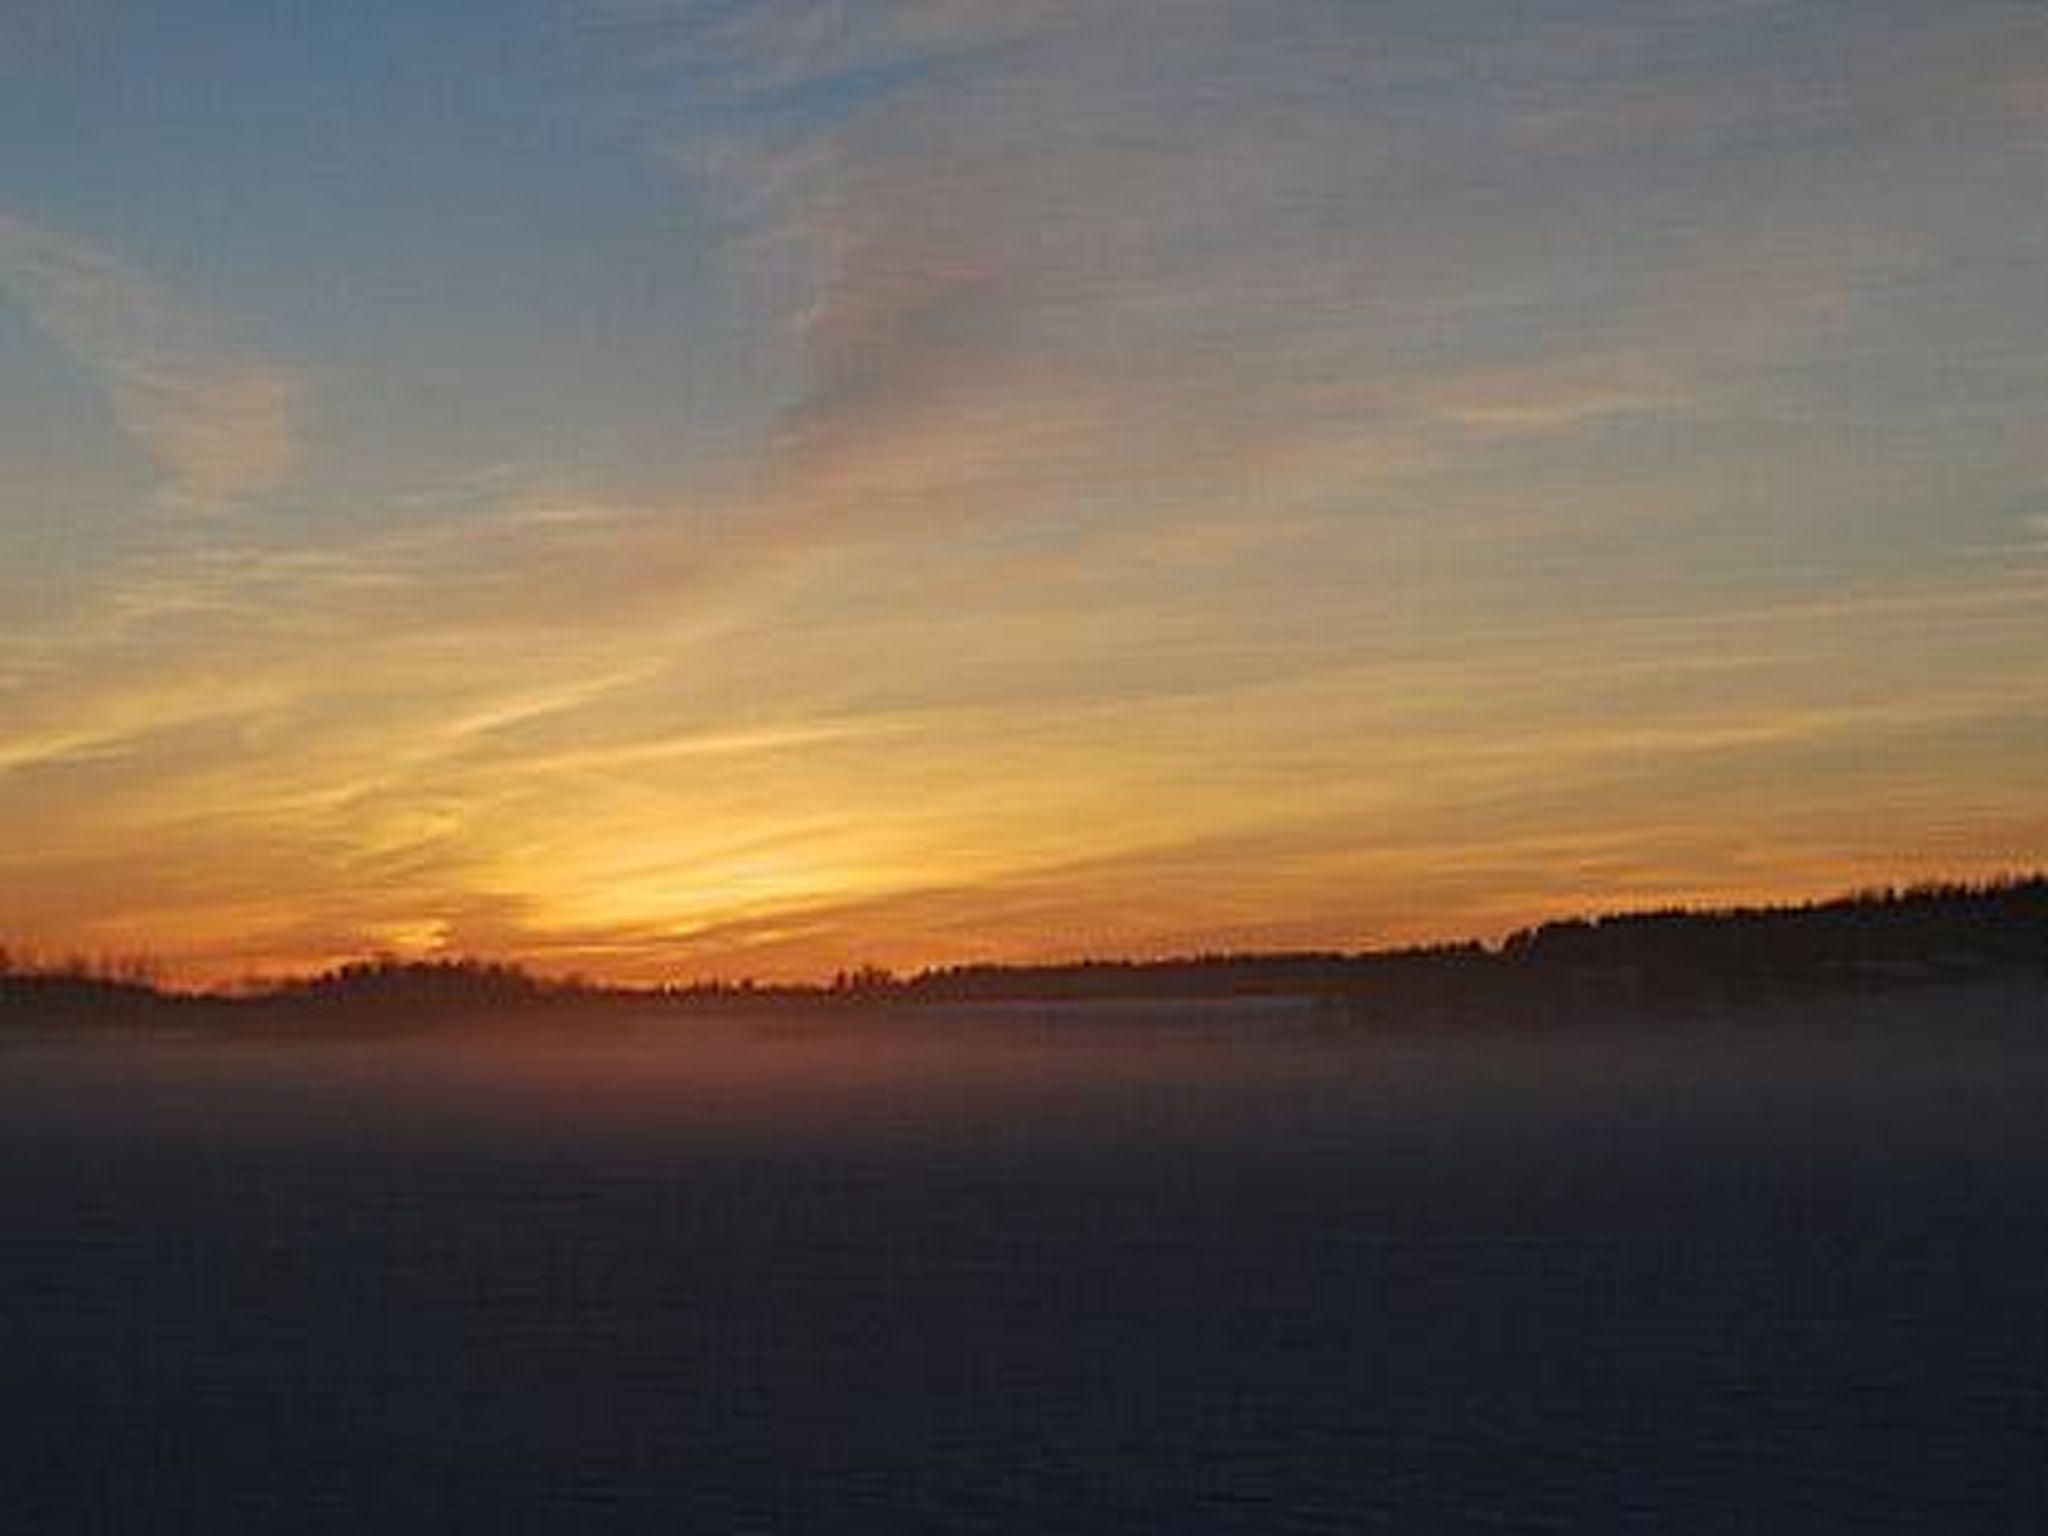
x,y
1021,1269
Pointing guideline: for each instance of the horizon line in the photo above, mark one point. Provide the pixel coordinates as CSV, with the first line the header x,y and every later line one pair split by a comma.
x,y
144,969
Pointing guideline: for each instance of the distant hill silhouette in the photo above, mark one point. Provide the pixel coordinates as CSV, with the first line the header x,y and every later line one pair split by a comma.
x,y
1871,938
1631,960
1918,934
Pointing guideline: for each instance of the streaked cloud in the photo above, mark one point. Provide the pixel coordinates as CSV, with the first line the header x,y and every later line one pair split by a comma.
x,y
218,425
1219,474
1121,253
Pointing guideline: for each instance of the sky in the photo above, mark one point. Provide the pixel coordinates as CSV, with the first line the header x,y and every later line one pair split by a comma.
x,y
676,488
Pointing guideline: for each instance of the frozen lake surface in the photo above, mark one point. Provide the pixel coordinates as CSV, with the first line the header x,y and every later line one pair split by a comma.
x,y
1017,1271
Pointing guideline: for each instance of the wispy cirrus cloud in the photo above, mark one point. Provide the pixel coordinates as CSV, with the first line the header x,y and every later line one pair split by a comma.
x,y
1047,258
219,425
1235,471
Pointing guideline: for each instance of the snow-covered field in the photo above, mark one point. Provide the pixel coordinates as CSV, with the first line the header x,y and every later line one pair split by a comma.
x,y
1028,1269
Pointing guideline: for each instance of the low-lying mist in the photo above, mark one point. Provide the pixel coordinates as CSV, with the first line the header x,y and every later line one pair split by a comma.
x,y
1180,1269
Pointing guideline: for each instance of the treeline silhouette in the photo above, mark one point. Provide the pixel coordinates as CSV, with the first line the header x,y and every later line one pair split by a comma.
x,y
1624,961
78,983
387,982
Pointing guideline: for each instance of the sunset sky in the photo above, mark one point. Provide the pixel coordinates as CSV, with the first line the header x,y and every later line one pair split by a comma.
x,y
668,488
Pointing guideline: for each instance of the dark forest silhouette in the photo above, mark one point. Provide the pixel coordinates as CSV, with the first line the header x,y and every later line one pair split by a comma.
x,y
1629,961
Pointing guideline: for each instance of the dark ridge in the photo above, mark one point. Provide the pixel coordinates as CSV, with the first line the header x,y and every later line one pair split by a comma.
x,y
1680,957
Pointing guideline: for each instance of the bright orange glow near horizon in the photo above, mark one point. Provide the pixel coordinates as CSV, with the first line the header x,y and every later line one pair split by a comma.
x,y
773,488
